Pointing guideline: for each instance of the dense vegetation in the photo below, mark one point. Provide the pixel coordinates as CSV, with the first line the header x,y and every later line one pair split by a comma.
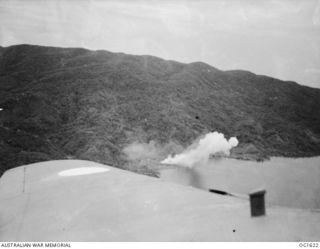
x,y
75,103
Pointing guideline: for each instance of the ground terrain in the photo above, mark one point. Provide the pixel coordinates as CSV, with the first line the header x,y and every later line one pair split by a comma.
x,y
63,103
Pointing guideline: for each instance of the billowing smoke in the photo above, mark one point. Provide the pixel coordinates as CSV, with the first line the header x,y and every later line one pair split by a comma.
x,y
151,150
138,150
200,151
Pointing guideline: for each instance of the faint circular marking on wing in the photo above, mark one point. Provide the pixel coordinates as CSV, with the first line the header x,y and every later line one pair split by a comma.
x,y
83,171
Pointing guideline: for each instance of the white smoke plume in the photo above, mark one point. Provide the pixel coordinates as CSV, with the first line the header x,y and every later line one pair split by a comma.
x,y
151,150
138,150
211,143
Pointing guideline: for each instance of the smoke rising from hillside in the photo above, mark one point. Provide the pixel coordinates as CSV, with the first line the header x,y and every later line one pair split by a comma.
x,y
151,150
137,150
200,151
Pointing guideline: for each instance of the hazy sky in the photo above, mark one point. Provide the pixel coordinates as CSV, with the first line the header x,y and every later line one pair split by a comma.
x,y
279,38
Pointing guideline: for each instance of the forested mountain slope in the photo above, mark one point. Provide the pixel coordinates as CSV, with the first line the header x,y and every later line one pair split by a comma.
x,y
76,103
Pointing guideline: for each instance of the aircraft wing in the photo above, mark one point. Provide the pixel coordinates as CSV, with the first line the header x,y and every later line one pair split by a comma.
x,y
74,200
